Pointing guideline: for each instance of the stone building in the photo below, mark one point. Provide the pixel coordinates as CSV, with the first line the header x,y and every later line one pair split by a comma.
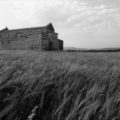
x,y
43,38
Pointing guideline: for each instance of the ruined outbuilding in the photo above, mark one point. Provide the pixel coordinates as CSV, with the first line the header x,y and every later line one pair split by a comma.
x,y
43,38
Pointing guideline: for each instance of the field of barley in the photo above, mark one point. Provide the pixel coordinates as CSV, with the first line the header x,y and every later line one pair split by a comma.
x,y
59,85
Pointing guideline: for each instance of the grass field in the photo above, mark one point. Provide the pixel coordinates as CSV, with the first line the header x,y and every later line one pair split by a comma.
x,y
59,85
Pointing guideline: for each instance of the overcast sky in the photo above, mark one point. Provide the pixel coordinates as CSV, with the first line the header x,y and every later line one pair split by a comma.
x,y
80,23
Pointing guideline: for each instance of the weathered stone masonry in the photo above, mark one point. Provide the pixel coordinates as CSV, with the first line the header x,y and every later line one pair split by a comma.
x,y
43,38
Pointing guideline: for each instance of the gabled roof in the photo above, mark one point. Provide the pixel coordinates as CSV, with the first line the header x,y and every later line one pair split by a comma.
x,y
49,27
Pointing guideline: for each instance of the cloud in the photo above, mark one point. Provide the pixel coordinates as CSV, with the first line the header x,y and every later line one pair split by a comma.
x,y
89,15
65,13
73,19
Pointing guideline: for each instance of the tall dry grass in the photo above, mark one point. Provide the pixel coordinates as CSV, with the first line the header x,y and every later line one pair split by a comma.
x,y
59,86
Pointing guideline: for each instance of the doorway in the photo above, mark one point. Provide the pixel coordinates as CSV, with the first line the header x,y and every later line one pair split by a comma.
x,y
50,45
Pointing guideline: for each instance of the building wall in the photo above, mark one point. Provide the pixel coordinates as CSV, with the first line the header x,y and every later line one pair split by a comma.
x,y
32,42
60,44
54,43
21,39
44,39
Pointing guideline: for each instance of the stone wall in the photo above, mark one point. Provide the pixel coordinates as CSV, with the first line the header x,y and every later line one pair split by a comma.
x,y
54,43
60,44
43,38
21,39
45,41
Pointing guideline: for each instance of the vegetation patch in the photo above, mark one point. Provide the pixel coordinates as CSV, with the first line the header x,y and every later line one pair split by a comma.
x,y
59,85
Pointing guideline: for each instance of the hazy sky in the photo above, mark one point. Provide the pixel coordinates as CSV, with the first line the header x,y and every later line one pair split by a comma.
x,y
80,23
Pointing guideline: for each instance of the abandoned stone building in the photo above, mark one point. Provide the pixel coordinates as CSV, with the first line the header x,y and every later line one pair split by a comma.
x,y
43,38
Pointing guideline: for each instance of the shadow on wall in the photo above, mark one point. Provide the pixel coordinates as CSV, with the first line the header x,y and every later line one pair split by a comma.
x,y
50,45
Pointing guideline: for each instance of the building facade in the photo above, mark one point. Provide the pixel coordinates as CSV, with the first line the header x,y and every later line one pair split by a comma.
x,y
43,38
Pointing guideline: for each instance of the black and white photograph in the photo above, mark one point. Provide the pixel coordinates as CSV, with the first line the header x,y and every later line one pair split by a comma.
x,y
59,59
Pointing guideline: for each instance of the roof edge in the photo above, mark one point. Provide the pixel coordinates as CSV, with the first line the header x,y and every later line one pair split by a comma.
x,y
49,26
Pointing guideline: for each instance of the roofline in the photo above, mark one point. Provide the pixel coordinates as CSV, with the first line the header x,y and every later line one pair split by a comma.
x,y
30,28
60,40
